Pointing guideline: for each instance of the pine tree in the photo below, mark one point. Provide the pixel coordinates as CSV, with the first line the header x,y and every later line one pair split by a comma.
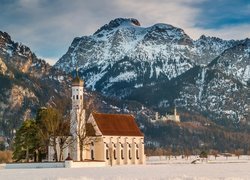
x,y
26,140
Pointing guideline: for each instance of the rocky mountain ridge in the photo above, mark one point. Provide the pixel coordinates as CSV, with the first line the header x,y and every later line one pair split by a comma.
x,y
26,83
122,59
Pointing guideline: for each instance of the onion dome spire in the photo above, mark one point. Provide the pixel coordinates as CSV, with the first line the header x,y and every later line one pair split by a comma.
x,y
77,81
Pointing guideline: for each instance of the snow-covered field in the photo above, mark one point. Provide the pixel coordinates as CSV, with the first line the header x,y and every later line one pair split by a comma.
x,y
156,168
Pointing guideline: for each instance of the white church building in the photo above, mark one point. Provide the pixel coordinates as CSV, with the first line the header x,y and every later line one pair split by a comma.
x,y
111,138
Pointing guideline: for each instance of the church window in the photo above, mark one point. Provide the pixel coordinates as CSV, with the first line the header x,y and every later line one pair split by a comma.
x,y
129,154
122,154
114,154
137,154
92,154
107,154
76,96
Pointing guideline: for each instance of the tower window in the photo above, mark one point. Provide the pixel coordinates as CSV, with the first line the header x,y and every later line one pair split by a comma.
x,y
76,96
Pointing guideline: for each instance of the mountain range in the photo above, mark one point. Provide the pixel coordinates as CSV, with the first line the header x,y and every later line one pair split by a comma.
x,y
161,66
128,68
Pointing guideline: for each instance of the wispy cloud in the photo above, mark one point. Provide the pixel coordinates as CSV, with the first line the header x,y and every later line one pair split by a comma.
x,y
49,27
222,13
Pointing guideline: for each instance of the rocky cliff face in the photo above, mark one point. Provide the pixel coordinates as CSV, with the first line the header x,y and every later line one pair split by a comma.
x,y
26,83
122,59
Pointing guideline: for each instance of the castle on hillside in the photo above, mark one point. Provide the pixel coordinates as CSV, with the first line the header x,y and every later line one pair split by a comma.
x,y
173,117
112,138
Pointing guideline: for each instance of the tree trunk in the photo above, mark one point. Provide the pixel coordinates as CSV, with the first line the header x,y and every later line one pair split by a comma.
x,y
81,149
39,156
60,155
35,156
55,151
27,154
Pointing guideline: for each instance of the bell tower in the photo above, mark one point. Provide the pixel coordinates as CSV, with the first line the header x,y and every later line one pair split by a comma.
x,y
77,93
77,121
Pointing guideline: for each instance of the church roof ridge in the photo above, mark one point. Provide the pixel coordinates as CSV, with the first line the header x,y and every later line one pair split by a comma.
x,y
94,112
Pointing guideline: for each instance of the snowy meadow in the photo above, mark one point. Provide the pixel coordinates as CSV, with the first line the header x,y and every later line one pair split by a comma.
x,y
156,168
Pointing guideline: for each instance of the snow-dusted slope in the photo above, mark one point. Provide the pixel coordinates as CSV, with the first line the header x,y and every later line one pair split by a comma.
x,y
235,61
216,94
137,55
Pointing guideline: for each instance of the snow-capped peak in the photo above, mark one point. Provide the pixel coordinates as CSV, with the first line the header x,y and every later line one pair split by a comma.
x,y
117,23
149,53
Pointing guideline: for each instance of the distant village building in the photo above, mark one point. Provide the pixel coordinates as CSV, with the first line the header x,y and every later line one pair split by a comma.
x,y
175,117
112,138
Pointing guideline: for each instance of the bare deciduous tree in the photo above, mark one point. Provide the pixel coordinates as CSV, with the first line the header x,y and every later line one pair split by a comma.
x,y
214,153
238,152
52,126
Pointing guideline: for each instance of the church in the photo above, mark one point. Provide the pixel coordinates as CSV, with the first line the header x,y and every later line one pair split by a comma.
x,y
111,138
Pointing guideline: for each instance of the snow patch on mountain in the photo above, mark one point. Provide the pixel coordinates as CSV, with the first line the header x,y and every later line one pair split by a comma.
x,y
123,77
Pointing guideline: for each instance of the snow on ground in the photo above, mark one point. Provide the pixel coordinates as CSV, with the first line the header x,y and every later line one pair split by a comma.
x,y
156,168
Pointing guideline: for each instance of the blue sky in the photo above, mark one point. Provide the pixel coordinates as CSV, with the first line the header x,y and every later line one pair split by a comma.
x,y
49,26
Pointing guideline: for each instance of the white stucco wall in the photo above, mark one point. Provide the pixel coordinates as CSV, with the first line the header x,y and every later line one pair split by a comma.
x,y
115,145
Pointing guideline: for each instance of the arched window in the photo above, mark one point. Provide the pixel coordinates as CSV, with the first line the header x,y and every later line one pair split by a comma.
x,y
137,154
92,154
114,154
107,154
122,154
129,154
76,96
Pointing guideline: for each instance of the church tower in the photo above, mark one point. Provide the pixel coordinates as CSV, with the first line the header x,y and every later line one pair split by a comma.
x,y
77,93
77,121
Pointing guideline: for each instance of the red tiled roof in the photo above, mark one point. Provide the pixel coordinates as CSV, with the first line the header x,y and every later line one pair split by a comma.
x,y
117,124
